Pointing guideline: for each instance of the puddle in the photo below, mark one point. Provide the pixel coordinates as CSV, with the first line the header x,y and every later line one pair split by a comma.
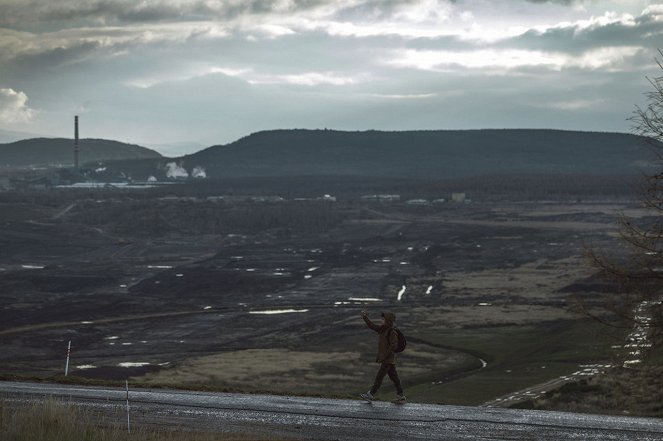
x,y
400,293
133,364
179,275
159,266
310,270
127,344
86,366
250,270
364,299
637,341
278,311
207,307
113,337
32,266
308,276
484,304
86,323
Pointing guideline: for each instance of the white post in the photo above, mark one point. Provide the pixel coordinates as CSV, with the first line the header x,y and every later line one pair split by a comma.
x,y
66,367
128,420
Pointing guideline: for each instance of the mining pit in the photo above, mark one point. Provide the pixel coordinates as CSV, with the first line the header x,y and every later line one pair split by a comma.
x,y
263,304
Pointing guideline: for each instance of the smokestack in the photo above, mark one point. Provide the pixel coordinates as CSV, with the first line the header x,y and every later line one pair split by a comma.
x,y
76,142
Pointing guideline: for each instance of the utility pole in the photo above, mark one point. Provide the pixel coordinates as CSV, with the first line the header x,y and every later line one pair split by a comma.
x,y
76,142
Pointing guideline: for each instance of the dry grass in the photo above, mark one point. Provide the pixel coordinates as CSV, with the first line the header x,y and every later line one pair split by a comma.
x,y
299,372
619,392
54,421
534,280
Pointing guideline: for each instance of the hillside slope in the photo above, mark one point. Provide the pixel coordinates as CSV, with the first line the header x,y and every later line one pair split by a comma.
x,y
60,151
423,154
429,155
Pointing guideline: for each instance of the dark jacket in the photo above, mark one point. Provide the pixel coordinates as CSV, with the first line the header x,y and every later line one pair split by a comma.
x,y
388,339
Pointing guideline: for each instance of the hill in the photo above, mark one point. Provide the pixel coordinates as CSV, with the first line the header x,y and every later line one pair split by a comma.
x,y
423,154
60,151
429,155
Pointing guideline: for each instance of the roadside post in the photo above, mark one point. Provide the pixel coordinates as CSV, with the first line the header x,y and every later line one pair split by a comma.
x,y
128,419
66,367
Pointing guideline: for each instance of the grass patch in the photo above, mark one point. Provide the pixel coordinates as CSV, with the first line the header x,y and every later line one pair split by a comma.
x,y
329,374
55,421
620,392
517,357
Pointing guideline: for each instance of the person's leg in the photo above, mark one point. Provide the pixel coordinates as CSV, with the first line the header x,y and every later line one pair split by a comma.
x,y
379,377
393,375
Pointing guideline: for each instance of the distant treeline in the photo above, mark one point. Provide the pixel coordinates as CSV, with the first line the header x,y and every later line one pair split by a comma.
x,y
480,188
486,188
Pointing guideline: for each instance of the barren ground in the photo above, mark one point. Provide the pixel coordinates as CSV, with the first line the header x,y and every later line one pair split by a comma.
x,y
489,300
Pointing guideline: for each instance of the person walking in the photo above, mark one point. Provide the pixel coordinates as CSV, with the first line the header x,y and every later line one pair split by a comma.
x,y
386,356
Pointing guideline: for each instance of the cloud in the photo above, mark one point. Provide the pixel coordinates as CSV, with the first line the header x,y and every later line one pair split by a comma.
x,y
211,71
574,105
14,108
606,30
311,79
22,13
511,59
561,2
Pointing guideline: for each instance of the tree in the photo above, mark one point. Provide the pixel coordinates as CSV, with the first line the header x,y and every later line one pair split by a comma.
x,y
638,304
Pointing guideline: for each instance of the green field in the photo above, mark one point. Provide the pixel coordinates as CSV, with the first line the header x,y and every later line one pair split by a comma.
x,y
517,357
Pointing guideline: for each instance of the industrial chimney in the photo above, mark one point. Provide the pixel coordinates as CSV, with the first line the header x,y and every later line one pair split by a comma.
x,y
76,142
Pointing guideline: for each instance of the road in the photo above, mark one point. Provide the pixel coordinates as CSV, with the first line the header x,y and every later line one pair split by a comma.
x,y
327,419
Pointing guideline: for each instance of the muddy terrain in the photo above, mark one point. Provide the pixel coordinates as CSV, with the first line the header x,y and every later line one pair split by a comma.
x,y
240,294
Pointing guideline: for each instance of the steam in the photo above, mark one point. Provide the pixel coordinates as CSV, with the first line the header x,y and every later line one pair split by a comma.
x,y
175,171
198,172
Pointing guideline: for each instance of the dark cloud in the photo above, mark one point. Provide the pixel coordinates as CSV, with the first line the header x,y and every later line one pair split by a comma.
x,y
71,13
561,2
645,31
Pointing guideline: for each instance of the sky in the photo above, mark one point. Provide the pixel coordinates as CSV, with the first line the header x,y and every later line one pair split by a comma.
x,y
186,74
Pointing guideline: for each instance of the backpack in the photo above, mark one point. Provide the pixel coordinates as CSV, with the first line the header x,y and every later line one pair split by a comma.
x,y
402,342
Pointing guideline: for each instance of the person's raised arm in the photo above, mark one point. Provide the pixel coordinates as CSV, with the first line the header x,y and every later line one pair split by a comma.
x,y
368,321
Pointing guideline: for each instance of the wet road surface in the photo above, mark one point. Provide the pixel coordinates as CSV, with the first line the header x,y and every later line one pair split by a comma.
x,y
326,419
